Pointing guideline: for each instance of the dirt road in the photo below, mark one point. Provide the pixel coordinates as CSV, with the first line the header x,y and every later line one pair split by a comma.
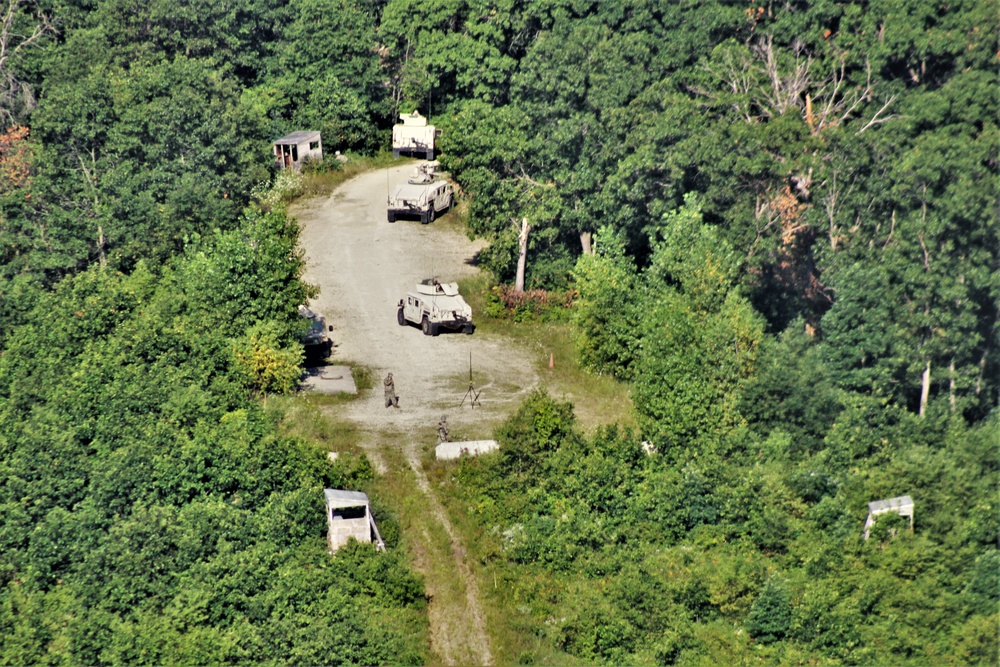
x,y
363,265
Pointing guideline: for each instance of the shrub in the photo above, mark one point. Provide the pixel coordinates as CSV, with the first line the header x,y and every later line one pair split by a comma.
x,y
770,614
504,301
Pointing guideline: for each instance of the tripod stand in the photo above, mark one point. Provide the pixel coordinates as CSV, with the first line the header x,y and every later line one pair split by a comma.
x,y
471,393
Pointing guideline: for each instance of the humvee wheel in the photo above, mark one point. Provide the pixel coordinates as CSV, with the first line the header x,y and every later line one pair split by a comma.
x,y
391,216
400,318
426,327
431,214
468,329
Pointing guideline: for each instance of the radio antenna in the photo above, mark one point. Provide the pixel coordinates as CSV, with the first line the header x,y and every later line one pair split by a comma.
x,y
471,393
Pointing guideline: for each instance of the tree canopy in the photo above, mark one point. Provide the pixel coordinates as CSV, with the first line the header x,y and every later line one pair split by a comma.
x,y
777,224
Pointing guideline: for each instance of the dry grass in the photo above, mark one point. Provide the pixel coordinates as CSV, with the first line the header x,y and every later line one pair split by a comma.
x,y
324,183
303,415
597,399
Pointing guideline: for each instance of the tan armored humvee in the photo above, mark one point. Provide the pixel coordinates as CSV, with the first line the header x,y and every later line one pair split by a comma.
x,y
423,196
435,306
414,136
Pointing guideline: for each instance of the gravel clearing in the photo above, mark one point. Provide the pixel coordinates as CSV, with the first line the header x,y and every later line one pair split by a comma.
x,y
363,265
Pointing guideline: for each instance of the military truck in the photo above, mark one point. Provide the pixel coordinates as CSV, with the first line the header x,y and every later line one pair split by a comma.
x,y
435,306
315,340
424,195
414,136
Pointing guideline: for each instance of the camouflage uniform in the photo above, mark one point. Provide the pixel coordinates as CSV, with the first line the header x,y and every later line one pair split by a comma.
x,y
390,392
443,430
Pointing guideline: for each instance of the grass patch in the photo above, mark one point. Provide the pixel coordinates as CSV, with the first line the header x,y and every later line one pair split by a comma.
x,y
364,379
323,183
456,219
303,416
597,399
517,632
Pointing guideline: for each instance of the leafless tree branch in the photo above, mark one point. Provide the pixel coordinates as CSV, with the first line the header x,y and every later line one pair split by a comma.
x,y
13,40
875,120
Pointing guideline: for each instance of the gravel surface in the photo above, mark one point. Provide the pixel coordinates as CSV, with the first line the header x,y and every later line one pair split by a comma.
x,y
363,265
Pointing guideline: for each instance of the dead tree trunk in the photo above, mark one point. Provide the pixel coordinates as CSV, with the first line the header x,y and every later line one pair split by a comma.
x,y
951,384
102,258
585,243
925,388
522,255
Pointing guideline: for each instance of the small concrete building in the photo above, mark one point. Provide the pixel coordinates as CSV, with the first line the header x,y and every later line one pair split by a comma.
x,y
348,515
903,506
413,137
293,149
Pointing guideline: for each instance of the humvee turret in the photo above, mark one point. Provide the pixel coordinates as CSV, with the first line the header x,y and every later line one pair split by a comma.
x,y
424,196
434,306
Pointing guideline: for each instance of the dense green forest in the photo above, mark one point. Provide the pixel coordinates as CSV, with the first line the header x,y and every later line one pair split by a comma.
x,y
780,222
152,508
776,222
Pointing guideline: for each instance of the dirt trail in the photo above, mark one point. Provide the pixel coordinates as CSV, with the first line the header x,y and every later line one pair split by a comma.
x,y
363,265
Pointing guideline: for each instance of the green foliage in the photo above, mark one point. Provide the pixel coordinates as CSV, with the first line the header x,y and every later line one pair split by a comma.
x,y
770,615
608,312
329,81
613,555
822,142
691,256
148,498
792,392
539,426
823,173
700,337
268,368
151,510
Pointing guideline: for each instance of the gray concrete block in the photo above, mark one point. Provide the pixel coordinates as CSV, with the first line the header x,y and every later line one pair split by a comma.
x,y
329,380
447,451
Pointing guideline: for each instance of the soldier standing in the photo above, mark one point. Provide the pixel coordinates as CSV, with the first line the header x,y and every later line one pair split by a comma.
x,y
390,392
443,429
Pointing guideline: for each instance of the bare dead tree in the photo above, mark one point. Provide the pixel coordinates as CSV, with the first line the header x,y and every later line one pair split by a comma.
x,y
765,217
522,254
786,88
826,101
740,75
23,24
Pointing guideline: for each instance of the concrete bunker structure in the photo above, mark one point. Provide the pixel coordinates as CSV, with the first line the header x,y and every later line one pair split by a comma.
x,y
414,137
292,150
348,515
901,505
